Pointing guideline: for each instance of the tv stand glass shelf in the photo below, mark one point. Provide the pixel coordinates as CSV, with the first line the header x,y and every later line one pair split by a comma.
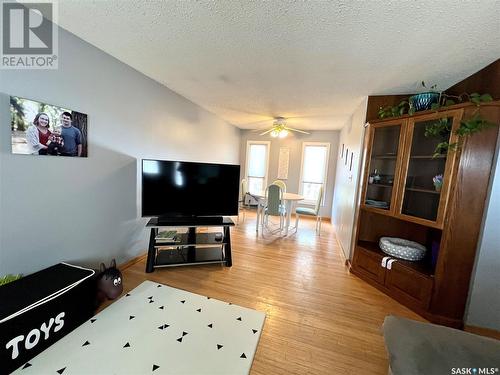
x,y
189,248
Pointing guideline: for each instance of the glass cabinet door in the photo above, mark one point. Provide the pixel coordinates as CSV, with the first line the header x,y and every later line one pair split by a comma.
x,y
382,166
427,172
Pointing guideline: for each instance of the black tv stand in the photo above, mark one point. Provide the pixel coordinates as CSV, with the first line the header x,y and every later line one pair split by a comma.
x,y
190,248
195,220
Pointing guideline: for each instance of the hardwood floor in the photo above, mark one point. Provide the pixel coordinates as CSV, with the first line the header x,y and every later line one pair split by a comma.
x,y
320,318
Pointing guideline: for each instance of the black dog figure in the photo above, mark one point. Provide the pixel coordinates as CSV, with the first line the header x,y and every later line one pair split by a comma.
x,y
109,282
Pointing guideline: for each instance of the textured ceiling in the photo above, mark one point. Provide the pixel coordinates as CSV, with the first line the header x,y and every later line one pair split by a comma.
x,y
248,61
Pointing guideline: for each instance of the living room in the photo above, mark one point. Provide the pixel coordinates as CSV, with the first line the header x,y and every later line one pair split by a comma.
x,y
201,82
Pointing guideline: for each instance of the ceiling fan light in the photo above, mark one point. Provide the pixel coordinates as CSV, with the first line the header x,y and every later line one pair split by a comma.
x,y
275,133
283,133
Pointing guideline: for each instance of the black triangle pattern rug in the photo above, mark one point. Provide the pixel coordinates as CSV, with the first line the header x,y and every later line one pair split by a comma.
x,y
156,328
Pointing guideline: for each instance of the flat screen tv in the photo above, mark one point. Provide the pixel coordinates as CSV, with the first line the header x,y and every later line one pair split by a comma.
x,y
179,189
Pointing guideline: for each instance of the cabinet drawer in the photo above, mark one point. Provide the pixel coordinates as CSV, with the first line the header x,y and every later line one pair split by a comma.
x,y
410,287
368,264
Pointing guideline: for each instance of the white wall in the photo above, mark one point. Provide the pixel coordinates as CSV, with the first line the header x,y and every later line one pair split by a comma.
x,y
346,182
294,142
484,295
86,210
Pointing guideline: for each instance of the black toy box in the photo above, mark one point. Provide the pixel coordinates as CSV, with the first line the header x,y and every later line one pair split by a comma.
x,y
39,309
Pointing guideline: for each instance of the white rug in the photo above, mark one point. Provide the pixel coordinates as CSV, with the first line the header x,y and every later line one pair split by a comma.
x,y
161,330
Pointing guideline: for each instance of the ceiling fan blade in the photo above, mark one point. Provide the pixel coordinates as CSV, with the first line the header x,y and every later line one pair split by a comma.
x,y
267,131
296,130
261,129
257,124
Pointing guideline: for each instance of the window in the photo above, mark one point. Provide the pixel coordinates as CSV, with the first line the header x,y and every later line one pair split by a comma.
x,y
257,164
314,170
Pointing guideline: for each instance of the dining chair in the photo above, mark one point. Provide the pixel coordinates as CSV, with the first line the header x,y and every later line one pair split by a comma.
x,y
281,184
274,206
241,203
307,211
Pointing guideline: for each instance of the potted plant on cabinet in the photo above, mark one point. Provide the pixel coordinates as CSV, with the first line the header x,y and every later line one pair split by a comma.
x,y
415,103
424,100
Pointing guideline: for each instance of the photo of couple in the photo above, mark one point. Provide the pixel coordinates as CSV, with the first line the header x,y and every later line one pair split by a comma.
x,y
43,129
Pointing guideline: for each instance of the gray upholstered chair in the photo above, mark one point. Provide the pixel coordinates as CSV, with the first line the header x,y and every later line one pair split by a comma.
x,y
417,348
274,206
307,211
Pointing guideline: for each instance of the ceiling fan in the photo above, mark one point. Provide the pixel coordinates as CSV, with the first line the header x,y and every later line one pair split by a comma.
x,y
279,129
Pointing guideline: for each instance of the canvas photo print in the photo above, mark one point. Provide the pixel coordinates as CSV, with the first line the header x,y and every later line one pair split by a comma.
x,y
45,129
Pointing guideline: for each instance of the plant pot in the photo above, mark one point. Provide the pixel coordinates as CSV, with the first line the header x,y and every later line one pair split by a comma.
x,y
438,188
423,101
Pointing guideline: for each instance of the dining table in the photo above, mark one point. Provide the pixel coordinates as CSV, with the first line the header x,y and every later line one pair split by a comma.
x,y
288,198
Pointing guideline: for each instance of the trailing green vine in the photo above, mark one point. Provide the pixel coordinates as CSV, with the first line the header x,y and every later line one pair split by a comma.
x,y
474,124
447,100
394,110
440,129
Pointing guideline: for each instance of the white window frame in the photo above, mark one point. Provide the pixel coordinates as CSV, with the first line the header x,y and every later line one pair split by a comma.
x,y
304,145
268,144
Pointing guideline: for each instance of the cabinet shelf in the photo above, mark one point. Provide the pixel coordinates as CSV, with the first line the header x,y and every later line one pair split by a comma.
x,y
420,190
381,185
384,156
423,267
428,157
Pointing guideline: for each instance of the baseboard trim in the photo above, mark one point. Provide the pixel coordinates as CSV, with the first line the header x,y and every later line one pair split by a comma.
x,y
348,264
488,332
122,267
347,261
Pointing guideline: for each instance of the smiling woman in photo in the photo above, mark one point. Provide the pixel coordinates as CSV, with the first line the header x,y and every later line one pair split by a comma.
x,y
38,134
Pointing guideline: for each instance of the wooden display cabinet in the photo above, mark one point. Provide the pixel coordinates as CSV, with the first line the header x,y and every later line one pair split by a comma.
x,y
385,147
398,199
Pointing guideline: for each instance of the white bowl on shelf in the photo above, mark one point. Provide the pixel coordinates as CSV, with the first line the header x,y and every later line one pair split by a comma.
x,y
403,249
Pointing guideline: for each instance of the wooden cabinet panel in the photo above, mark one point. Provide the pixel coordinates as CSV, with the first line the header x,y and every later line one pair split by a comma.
x,y
463,225
411,288
382,170
368,264
418,199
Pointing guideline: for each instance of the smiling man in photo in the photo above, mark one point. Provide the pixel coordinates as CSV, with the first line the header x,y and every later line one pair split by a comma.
x,y
72,136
